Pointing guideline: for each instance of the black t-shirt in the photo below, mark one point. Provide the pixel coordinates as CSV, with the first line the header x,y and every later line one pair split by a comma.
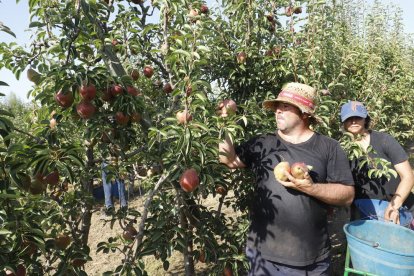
x,y
386,147
288,226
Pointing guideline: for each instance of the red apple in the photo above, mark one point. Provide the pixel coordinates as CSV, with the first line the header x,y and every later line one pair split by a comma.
x,y
193,13
129,233
132,91
107,95
62,241
221,190
85,109
134,74
241,57
64,99
270,17
228,107
135,117
289,11
121,118
299,170
204,9
228,271
189,180
183,117
116,90
148,71
280,170
88,92
297,10
167,88
52,178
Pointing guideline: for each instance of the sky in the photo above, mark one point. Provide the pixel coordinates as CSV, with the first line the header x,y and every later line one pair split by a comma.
x,y
16,17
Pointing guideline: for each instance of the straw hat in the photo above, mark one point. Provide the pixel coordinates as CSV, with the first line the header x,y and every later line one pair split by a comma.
x,y
297,94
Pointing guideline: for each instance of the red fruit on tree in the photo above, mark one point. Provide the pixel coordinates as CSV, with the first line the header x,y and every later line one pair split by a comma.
x,y
107,95
183,117
88,92
299,170
64,99
85,109
193,13
289,11
297,10
280,170
270,17
62,241
228,107
241,57
189,180
204,9
52,178
228,271
167,88
134,74
221,190
121,118
132,91
116,90
135,117
129,233
148,71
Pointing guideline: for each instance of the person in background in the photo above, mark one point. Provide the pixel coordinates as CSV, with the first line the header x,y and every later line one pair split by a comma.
x,y
288,232
396,190
107,187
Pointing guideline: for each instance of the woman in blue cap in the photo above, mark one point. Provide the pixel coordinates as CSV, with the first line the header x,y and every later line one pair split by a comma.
x,y
396,190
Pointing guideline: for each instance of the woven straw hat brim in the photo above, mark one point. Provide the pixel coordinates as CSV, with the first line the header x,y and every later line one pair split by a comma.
x,y
271,105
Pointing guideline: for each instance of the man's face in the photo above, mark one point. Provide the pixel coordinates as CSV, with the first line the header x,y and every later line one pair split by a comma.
x,y
355,125
287,116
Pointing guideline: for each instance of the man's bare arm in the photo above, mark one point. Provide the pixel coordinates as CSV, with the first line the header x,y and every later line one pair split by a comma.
x,y
227,154
331,193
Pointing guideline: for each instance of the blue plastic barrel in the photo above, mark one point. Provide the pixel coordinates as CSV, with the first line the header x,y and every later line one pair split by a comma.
x,y
381,248
375,209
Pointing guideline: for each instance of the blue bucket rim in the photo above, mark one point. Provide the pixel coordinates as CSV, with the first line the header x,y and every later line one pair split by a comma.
x,y
349,235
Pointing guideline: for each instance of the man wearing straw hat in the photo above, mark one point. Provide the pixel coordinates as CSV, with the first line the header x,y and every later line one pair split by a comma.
x,y
288,229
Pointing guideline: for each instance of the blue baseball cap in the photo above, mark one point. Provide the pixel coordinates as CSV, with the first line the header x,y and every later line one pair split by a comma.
x,y
353,109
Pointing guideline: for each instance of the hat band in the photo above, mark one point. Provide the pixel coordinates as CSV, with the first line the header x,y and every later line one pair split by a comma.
x,y
297,98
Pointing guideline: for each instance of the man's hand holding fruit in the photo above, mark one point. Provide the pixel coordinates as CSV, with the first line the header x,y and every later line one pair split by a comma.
x,y
296,176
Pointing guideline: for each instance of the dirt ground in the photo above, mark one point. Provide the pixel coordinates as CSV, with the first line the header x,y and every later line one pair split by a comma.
x,y
101,231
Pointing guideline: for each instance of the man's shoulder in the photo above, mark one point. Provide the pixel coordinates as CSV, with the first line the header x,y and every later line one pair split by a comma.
x,y
325,139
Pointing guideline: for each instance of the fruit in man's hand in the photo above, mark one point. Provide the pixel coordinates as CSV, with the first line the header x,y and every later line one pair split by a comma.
x,y
229,108
88,92
299,170
280,170
64,99
189,180
62,241
129,233
183,117
148,71
85,109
